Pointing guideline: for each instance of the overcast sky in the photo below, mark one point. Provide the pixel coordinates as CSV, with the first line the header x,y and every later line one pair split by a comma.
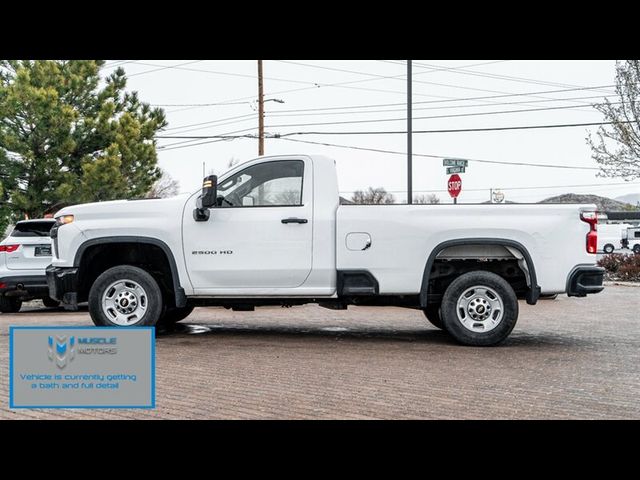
x,y
308,86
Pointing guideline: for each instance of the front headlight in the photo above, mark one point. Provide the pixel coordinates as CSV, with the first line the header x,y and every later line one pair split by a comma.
x,y
64,219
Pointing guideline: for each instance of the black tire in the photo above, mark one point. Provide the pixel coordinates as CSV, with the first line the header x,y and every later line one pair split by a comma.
x,y
432,312
636,249
174,315
608,248
449,309
125,272
10,304
50,302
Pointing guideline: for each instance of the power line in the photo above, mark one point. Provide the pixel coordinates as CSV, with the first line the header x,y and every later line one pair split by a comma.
x,y
462,71
346,84
159,69
229,136
431,69
454,100
441,99
500,112
231,74
217,138
234,122
457,130
280,113
198,104
391,132
209,122
395,77
394,152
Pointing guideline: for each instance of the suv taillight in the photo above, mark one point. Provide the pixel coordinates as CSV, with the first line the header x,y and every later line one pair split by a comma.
x,y
591,217
9,248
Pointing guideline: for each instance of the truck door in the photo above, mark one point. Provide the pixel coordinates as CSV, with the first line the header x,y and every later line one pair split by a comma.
x,y
260,235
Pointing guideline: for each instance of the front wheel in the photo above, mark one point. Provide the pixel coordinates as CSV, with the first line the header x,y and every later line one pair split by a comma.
x,y
636,249
125,296
479,308
10,304
608,248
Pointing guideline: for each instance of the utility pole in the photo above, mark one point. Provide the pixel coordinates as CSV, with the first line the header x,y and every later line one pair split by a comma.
x,y
409,134
260,111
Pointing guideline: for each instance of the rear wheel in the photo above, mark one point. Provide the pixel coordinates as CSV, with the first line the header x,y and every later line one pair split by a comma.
x,y
636,248
174,315
479,308
608,248
10,304
432,312
50,302
125,296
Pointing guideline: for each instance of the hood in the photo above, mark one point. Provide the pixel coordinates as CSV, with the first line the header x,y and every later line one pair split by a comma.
x,y
125,208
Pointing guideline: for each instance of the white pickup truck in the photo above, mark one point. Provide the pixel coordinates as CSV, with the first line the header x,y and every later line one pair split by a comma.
x,y
272,231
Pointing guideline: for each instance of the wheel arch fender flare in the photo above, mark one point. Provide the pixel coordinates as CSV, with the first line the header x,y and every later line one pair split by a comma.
x,y
180,297
534,289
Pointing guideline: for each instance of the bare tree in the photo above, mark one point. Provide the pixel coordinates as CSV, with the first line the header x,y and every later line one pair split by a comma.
x,y
233,161
432,198
287,197
373,196
617,147
165,187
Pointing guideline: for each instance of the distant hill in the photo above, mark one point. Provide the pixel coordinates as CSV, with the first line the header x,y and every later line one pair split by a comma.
x,y
632,198
603,203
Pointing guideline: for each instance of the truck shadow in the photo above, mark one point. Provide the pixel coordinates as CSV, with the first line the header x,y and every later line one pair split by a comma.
x,y
404,335
426,335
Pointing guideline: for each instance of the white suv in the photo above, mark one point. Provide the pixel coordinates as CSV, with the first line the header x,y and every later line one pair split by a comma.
x,y
24,255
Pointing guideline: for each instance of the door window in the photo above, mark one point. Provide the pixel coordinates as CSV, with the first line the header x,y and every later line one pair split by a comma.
x,y
268,184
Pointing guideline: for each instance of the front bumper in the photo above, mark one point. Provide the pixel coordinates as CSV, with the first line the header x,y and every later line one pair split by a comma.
x,y
585,280
63,284
31,286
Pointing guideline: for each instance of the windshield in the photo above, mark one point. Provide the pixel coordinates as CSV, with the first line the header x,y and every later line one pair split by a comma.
x,y
32,229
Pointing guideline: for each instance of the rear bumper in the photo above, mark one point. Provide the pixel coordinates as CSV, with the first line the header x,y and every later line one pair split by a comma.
x,y
24,286
585,280
63,284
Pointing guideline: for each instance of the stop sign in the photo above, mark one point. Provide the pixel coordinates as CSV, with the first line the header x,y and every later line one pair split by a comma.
x,y
454,186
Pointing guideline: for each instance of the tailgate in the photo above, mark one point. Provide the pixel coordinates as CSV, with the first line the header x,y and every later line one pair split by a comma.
x,y
33,254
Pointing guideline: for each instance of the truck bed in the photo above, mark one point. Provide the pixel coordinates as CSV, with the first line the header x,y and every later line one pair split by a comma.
x,y
553,235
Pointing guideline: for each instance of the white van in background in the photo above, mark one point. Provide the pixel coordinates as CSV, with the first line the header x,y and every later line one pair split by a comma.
x,y
610,236
631,239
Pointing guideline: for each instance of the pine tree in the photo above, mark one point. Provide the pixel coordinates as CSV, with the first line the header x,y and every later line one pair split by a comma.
x,y
68,137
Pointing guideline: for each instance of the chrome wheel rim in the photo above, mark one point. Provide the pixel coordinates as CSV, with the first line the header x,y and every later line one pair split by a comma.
x,y
480,309
124,302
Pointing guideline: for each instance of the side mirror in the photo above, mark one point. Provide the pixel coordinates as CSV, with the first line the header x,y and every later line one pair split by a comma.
x,y
209,191
208,199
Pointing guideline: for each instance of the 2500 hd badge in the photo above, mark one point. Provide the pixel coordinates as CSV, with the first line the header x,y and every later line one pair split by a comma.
x,y
212,252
